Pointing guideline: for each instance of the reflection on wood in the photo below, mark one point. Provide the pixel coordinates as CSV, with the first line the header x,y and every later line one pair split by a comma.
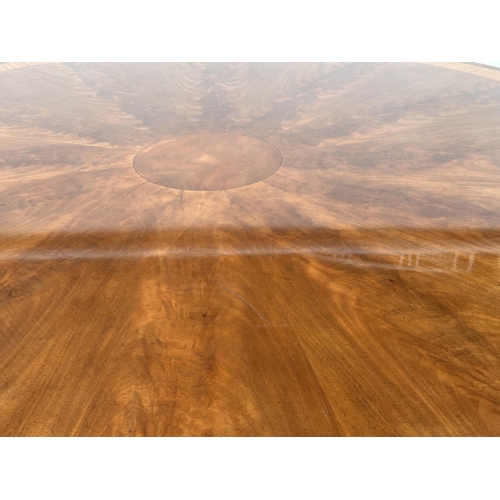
x,y
426,262
354,290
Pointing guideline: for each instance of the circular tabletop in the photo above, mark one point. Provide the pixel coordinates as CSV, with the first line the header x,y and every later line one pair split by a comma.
x,y
249,249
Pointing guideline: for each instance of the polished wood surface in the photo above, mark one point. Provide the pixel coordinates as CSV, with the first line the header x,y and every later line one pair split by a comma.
x,y
249,250
207,162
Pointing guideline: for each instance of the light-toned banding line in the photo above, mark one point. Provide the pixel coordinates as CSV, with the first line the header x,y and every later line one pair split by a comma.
x,y
471,69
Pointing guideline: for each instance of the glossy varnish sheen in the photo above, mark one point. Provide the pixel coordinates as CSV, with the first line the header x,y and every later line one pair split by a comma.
x,y
249,250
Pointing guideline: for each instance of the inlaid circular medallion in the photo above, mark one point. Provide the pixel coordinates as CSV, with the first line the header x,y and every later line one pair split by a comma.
x,y
207,162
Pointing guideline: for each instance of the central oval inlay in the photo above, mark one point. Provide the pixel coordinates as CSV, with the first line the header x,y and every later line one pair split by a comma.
x,y
207,162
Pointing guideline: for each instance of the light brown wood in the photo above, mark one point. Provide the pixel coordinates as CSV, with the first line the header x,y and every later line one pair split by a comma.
x,y
249,250
207,162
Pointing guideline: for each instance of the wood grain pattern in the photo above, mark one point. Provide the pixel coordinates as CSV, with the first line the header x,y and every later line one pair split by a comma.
x,y
207,162
353,291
